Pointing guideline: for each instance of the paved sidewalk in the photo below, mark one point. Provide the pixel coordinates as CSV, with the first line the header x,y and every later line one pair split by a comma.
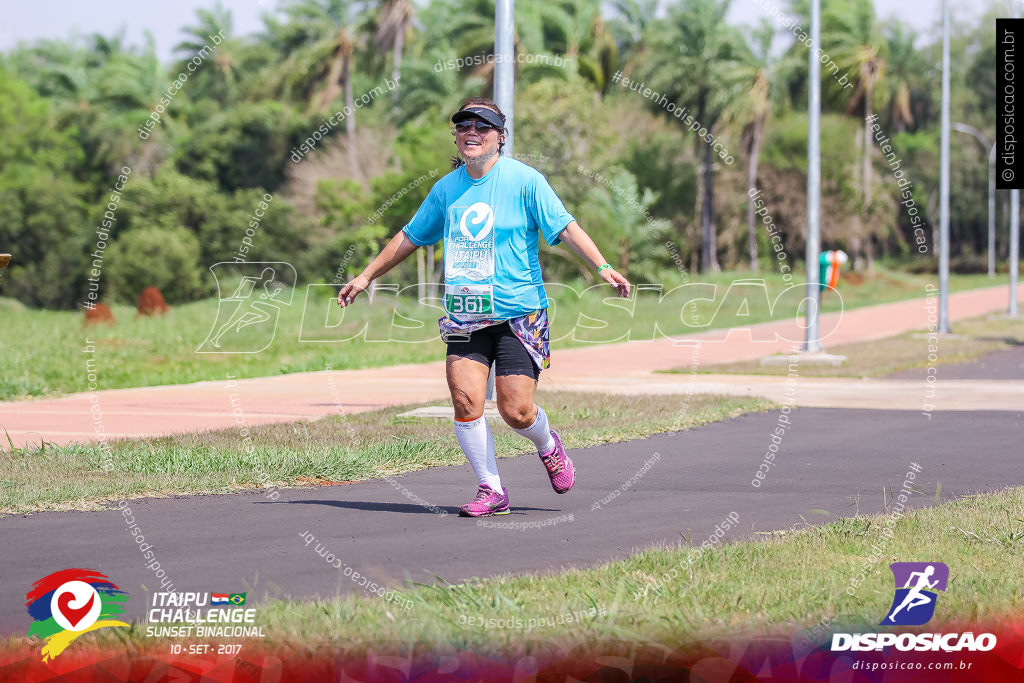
x,y
623,368
825,392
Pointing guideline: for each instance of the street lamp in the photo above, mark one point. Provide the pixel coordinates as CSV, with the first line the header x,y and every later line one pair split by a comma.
x,y
504,67
504,94
1014,249
812,343
944,181
980,137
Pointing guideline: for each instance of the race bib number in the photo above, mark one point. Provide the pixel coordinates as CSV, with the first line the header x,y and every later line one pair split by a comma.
x,y
469,302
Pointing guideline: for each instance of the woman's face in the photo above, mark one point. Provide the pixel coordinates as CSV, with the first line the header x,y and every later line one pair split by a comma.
x,y
477,145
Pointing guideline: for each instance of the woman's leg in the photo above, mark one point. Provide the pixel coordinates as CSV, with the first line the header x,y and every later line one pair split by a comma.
x,y
467,381
516,383
517,407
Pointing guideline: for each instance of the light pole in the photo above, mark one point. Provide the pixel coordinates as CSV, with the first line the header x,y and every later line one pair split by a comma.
x,y
991,147
812,342
1014,249
504,94
504,66
944,181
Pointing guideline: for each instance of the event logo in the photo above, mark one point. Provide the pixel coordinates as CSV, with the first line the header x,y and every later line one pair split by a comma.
x,y
480,213
204,615
247,318
916,584
71,602
913,604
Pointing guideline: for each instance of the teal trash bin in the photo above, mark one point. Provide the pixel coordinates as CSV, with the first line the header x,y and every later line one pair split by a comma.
x,y
828,267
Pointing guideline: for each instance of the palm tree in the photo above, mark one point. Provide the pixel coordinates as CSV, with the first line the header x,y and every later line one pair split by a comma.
x,y
392,27
543,29
128,88
634,19
100,89
219,79
58,70
904,70
318,40
751,107
695,60
473,22
852,36
426,89
576,29
427,86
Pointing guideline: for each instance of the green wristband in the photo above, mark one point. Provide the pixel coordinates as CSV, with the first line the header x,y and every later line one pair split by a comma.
x,y
602,267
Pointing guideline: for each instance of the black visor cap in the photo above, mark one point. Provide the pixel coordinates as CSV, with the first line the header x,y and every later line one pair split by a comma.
x,y
489,115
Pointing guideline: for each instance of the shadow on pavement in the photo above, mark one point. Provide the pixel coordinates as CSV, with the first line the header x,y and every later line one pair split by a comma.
x,y
405,508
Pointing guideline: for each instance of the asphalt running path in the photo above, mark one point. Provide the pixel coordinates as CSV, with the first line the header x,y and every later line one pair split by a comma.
x,y
624,368
832,460
998,365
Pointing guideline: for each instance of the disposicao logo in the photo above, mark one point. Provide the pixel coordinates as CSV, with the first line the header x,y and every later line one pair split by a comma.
x,y
71,602
913,604
916,584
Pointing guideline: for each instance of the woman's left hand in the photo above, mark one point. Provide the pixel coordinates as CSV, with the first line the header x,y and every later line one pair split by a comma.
x,y
617,280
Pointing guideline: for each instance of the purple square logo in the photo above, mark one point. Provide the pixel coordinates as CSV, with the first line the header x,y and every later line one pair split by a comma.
x,y
916,592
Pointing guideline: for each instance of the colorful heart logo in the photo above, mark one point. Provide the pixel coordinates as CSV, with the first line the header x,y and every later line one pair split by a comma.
x,y
68,603
72,614
75,605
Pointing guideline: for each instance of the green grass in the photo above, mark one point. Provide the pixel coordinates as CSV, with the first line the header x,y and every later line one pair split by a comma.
x,y
974,338
790,583
48,356
332,449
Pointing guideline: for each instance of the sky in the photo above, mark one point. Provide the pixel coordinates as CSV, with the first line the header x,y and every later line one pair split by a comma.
x,y
30,21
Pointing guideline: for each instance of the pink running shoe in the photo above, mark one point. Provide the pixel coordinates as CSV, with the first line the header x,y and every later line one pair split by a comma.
x,y
487,502
560,468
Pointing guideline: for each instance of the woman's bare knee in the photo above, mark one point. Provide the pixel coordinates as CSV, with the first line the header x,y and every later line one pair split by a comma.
x,y
517,414
466,382
465,407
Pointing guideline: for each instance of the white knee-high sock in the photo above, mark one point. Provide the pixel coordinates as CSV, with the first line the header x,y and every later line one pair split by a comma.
x,y
478,444
539,432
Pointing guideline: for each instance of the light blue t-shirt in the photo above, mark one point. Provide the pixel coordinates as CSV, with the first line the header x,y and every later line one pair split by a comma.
x,y
490,228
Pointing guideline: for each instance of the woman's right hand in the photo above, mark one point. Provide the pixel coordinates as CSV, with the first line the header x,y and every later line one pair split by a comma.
x,y
350,291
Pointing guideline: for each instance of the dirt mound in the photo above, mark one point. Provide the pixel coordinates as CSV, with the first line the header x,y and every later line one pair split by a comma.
x,y
151,302
99,314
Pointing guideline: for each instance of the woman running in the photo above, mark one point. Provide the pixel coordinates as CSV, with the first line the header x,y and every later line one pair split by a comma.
x,y
490,211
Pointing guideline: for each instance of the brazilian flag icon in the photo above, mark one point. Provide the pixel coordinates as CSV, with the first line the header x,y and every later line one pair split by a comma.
x,y
237,598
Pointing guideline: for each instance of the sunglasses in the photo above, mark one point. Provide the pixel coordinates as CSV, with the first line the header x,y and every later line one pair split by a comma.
x,y
482,127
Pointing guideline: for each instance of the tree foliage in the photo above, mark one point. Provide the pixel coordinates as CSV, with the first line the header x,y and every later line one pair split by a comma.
x,y
259,141
167,259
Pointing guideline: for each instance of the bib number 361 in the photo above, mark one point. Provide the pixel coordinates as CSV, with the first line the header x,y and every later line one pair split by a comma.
x,y
469,302
472,304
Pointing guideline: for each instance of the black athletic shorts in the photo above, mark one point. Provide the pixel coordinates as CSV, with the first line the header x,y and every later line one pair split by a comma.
x,y
496,344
